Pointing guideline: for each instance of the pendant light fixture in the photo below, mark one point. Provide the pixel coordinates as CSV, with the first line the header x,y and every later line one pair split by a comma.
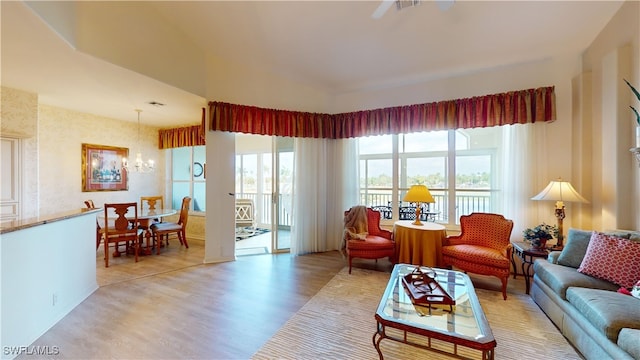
x,y
138,165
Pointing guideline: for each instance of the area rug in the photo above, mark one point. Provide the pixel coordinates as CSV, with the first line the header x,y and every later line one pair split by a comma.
x,y
338,323
248,233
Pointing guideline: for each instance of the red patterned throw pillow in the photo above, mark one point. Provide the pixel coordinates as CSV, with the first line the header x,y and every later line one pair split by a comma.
x,y
612,258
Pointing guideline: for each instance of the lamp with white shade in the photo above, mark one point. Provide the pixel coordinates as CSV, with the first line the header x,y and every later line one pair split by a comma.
x,y
418,194
560,192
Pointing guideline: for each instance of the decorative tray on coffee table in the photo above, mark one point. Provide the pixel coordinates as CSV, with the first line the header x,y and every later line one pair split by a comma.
x,y
424,290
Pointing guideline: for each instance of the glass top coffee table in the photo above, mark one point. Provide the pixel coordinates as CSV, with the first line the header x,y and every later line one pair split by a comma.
x,y
437,327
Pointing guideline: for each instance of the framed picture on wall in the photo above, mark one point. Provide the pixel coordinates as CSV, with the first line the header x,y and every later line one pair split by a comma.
x,y
102,168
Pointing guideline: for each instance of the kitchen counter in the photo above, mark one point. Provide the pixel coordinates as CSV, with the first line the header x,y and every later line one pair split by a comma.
x,y
21,224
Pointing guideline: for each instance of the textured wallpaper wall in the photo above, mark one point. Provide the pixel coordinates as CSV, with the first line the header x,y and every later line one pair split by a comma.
x,y
52,141
62,132
19,119
52,153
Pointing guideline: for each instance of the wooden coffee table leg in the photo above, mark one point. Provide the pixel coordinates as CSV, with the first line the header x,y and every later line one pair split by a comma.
x,y
376,343
488,355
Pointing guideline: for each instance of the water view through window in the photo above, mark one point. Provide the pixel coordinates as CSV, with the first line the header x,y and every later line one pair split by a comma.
x,y
459,168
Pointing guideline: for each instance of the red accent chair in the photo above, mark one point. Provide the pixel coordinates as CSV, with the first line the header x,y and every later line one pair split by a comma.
x,y
377,244
483,247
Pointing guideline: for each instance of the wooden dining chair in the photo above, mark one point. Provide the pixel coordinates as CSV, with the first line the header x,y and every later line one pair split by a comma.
x,y
99,231
158,230
123,229
152,203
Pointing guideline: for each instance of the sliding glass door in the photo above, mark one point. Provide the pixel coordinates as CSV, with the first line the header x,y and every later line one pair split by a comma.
x,y
282,199
264,179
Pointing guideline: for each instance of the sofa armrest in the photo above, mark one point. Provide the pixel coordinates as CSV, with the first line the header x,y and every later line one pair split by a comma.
x,y
553,257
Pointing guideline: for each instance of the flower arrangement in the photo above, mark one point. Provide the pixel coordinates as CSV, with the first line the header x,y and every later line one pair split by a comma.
x,y
542,231
638,97
539,235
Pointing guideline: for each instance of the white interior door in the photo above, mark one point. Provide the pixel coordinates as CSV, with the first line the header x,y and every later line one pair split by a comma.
x,y
9,179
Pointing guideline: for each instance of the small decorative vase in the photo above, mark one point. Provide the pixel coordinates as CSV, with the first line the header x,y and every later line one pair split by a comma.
x,y
539,244
638,136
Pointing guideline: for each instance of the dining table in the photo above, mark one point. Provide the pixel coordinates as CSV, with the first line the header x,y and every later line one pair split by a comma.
x,y
146,218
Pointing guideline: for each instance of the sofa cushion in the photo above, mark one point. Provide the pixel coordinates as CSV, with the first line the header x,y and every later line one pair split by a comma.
x,y
629,341
612,258
559,278
607,311
627,234
575,248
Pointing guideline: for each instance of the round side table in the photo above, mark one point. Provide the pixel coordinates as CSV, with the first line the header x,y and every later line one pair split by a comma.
x,y
419,245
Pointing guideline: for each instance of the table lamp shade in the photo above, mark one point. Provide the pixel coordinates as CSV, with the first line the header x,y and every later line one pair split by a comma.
x,y
560,191
418,194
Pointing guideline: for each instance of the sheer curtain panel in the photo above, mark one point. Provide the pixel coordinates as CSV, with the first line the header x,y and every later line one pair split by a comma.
x,y
522,164
325,184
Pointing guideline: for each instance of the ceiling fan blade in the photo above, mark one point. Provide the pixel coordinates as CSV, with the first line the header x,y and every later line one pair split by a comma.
x,y
382,8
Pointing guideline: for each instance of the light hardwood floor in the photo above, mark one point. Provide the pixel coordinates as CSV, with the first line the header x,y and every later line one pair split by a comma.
x,y
171,306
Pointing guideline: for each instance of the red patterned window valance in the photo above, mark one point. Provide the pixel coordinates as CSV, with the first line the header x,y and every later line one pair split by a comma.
x,y
183,136
514,107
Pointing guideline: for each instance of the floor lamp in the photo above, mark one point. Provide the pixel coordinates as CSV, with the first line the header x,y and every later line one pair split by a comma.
x,y
560,191
418,194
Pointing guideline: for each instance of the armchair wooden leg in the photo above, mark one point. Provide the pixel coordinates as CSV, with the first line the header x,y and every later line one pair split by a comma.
x,y
504,286
350,259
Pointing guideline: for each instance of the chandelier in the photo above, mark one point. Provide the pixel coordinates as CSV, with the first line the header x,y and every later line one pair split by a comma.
x,y
138,165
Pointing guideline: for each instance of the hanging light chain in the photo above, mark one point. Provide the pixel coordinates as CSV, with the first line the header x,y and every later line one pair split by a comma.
x,y
139,165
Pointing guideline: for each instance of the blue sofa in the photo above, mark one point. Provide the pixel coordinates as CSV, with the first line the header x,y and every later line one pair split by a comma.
x,y
597,320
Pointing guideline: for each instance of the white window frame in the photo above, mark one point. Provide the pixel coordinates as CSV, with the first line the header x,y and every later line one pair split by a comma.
x,y
191,182
451,153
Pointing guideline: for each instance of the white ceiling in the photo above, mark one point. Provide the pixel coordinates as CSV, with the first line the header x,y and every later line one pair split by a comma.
x,y
332,45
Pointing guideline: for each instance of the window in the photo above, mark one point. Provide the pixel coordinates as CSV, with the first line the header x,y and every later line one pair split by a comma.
x,y
458,166
188,176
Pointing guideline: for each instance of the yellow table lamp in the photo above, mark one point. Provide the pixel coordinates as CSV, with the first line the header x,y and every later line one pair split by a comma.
x,y
418,194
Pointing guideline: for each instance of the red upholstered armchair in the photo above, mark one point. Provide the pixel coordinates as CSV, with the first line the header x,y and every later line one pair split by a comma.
x,y
370,241
483,246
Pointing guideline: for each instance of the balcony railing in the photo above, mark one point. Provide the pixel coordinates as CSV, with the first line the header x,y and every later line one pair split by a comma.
x,y
263,212
466,202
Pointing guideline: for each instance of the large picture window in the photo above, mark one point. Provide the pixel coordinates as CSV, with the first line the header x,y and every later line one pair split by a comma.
x,y
458,166
188,176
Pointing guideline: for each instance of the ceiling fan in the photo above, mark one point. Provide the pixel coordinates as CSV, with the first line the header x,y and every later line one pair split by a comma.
x,y
385,5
